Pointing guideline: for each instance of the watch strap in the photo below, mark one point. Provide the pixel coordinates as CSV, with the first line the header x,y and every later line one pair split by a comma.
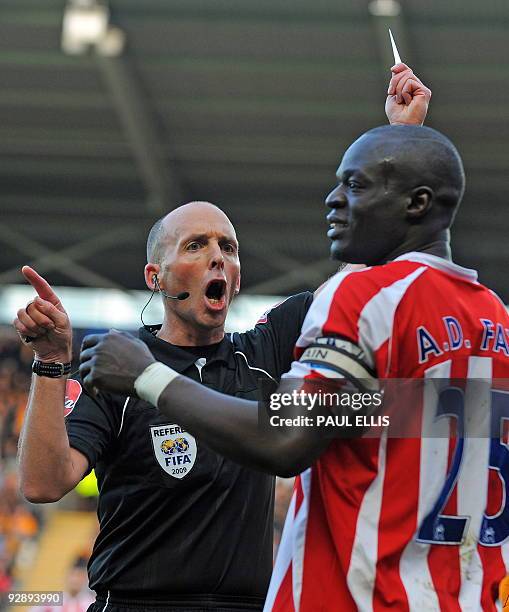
x,y
54,369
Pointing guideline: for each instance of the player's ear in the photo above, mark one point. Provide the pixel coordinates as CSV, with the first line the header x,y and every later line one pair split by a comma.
x,y
237,286
151,271
420,203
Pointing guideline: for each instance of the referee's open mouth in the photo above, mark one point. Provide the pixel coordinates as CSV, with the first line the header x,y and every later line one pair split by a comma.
x,y
215,294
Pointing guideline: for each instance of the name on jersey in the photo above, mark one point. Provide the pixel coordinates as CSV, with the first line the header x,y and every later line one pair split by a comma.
x,y
174,448
495,338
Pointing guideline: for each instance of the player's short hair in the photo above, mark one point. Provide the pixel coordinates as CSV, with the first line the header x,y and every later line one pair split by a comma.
x,y
429,156
154,242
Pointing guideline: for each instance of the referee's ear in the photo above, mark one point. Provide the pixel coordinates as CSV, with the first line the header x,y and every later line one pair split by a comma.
x,y
151,271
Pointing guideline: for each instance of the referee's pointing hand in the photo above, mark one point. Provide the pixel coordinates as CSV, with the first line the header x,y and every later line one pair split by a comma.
x,y
43,323
112,362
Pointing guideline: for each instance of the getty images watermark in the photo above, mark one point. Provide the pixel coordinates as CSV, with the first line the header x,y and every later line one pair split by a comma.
x,y
397,408
357,409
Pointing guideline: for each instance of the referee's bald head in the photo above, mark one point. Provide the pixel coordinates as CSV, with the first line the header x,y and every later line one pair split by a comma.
x,y
161,230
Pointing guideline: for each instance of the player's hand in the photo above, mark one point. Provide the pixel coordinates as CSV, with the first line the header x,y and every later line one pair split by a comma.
x,y
408,98
45,321
112,362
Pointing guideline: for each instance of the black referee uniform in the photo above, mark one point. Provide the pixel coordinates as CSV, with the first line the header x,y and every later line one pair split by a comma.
x,y
181,527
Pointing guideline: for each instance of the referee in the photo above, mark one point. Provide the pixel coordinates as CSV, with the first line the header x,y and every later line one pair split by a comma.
x,y
181,528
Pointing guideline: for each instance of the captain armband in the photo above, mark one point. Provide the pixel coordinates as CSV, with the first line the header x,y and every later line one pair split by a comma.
x,y
343,359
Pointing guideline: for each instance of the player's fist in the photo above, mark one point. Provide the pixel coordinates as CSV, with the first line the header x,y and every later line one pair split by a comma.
x,y
407,97
45,322
112,362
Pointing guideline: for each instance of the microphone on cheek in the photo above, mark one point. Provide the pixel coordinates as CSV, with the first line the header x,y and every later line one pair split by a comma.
x,y
180,296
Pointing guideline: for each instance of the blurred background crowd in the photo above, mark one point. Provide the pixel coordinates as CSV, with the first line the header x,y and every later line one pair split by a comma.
x,y
36,552
20,522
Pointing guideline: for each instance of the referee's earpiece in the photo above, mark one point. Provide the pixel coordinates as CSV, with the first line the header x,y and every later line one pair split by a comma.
x,y
183,295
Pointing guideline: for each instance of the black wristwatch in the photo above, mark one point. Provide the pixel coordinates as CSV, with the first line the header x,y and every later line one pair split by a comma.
x,y
55,369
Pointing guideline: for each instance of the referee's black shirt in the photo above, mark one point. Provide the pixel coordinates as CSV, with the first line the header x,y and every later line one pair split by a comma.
x,y
179,523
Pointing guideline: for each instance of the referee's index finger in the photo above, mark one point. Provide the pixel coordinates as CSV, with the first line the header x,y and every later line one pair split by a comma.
x,y
41,285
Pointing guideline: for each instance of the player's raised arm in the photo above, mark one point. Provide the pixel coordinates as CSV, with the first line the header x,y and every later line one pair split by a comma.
x,y
48,466
119,363
407,97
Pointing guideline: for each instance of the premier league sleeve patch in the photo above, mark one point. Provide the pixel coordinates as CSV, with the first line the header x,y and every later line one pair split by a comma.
x,y
265,316
72,393
175,449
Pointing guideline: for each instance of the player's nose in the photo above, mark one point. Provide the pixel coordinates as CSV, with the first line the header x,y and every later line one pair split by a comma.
x,y
336,198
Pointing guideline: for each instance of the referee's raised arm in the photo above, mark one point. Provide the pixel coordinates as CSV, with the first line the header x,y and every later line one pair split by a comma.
x,y
49,467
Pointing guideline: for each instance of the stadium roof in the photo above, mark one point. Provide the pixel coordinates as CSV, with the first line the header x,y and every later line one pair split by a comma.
x,y
247,103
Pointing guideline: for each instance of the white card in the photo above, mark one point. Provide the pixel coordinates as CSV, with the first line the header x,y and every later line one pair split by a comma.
x,y
397,59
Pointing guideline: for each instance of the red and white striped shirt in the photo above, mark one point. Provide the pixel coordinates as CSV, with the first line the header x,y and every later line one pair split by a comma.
x,y
394,523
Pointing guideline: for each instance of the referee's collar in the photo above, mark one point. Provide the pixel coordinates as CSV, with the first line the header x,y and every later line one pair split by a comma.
x,y
177,357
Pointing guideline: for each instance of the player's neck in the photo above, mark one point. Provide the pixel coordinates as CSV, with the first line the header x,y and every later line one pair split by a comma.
x,y
176,331
438,245
439,249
